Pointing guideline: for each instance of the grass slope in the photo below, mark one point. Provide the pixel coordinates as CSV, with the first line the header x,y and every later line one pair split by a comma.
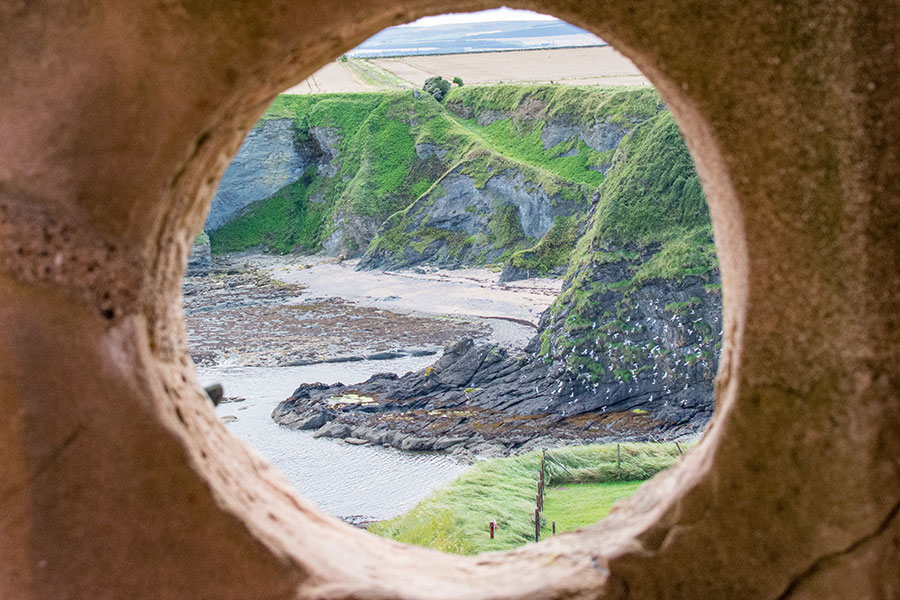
x,y
455,517
584,104
653,195
284,222
578,505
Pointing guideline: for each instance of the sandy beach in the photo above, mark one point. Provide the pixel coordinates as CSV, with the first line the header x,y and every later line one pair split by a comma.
x,y
265,310
512,309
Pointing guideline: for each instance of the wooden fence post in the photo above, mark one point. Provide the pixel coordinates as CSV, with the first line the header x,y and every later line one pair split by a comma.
x,y
537,525
618,456
543,455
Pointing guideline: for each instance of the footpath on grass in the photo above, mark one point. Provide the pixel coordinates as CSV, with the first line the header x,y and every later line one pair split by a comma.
x,y
583,482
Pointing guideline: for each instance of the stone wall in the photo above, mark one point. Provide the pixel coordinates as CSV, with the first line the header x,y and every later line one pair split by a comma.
x,y
117,480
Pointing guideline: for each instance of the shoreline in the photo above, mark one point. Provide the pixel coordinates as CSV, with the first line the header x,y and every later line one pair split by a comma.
x,y
330,313
252,310
511,310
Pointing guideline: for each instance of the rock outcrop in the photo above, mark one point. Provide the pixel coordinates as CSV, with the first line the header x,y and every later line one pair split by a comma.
x,y
458,223
650,375
268,160
200,258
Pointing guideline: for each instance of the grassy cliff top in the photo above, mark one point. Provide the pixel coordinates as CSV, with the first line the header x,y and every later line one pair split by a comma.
x,y
583,104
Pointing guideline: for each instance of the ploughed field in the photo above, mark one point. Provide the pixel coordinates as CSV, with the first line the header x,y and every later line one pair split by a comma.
x,y
596,65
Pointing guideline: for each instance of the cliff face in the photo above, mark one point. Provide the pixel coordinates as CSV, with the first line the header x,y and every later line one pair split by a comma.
x,y
523,194
402,179
267,161
638,320
458,223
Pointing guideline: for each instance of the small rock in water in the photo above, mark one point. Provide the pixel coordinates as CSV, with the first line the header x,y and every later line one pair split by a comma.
x,y
384,356
228,419
231,399
355,441
215,393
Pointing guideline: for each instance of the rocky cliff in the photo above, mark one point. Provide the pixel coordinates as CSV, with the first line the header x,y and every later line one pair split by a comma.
x,y
200,257
402,179
267,161
523,194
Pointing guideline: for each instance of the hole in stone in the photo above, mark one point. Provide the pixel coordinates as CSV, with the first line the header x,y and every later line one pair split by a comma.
x,y
367,221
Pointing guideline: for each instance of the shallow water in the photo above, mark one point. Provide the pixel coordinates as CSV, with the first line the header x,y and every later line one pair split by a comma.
x,y
361,481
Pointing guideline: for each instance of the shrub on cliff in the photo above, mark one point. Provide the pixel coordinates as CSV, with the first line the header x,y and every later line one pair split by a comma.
x,y
437,86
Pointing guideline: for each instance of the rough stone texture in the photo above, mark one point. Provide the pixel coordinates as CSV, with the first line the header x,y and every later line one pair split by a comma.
x,y
117,481
600,135
267,161
327,141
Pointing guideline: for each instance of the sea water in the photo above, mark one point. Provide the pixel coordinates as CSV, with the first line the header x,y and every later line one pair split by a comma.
x,y
364,482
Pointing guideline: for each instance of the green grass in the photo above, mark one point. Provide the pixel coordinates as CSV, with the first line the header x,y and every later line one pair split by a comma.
x,y
455,517
552,250
522,142
652,193
576,505
619,105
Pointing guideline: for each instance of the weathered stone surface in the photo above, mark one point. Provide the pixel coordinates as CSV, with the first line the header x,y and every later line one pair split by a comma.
x,y
600,135
117,480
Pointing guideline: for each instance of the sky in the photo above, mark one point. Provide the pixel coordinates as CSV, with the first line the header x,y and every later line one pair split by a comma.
x,y
497,14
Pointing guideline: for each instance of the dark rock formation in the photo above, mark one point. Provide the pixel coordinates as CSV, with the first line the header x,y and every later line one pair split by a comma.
x,y
650,376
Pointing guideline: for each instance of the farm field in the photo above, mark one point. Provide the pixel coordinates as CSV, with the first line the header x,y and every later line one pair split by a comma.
x,y
598,65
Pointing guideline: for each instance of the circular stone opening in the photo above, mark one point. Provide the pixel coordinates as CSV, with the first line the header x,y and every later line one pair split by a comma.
x,y
198,512
114,458
530,181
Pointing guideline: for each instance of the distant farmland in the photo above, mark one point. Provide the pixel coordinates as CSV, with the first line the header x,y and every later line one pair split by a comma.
x,y
576,66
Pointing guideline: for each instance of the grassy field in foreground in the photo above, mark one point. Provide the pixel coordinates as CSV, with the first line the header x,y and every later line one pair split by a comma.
x,y
576,505
455,518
